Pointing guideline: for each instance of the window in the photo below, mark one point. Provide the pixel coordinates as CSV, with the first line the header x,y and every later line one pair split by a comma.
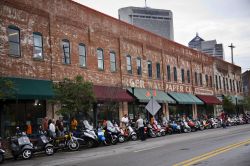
x,y
100,59
82,54
237,87
38,45
182,76
211,81
14,40
220,82
129,66
112,62
201,80
216,82
224,84
188,76
138,66
66,51
196,78
175,74
230,84
158,70
168,73
233,84
227,84
149,69
206,77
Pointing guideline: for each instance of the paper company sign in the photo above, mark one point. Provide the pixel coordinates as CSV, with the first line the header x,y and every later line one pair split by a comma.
x,y
178,88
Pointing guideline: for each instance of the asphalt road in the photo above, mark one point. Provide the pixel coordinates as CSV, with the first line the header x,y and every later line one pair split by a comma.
x,y
214,147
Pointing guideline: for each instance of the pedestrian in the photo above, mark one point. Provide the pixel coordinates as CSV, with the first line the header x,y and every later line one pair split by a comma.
x,y
45,124
124,121
74,124
52,128
59,128
140,126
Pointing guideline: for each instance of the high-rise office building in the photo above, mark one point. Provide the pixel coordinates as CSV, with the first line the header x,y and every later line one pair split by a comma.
x,y
209,47
154,20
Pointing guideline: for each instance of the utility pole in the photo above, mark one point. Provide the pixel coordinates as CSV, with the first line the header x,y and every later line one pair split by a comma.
x,y
232,54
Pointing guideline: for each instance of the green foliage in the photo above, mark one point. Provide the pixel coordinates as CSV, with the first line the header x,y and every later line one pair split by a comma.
x,y
246,103
7,88
228,105
74,95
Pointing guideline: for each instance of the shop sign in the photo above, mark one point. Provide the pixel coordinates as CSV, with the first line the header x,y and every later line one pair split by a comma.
x,y
143,84
178,88
201,91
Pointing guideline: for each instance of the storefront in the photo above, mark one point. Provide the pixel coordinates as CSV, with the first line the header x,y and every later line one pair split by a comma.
x,y
186,105
27,106
209,108
112,103
143,96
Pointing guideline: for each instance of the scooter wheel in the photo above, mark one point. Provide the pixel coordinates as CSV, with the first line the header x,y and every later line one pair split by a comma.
x,y
134,137
49,150
121,138
163,133
73,145
90,143
1,158
26,154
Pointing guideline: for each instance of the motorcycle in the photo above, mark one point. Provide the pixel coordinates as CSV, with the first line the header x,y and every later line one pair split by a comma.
x,y
150,131
121,136
41,143
192,125
176,128
66,141
86,135
21,145
156,130
184,126
111,134
129,133
2,152
101,136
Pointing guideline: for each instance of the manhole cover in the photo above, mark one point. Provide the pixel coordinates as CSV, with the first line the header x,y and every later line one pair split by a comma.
x,y
184,149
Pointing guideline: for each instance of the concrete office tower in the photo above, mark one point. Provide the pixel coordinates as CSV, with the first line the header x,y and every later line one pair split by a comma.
x,y
209,47
154,20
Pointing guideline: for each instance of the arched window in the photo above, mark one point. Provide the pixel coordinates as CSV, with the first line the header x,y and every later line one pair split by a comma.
x,y
150,69
168,73
158,70
37,45
175,74
82,54
112,61
14,40
129,64
138,66
66,51
100,58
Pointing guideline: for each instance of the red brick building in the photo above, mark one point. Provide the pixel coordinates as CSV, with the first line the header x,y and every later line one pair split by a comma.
x,y
52,39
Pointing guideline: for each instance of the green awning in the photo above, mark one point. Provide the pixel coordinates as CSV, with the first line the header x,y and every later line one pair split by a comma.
x,y
31,89
160,97
185,98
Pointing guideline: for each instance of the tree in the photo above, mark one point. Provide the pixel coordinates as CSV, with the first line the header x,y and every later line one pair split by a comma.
x,y
74,95
228,105
246,103
7,89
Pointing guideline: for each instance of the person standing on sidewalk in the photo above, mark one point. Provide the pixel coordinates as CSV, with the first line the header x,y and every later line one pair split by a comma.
x,y
140,126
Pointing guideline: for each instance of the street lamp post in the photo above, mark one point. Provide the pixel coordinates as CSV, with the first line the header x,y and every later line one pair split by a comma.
x,y
133,92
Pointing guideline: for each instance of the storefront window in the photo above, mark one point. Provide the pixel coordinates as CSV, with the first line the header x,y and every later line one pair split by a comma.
x,y
20,113
108,111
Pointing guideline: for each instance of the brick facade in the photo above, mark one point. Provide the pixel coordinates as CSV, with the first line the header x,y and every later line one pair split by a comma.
x,y
64,19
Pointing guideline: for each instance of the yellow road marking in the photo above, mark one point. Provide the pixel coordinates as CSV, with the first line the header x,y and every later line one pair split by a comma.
x,y
211,154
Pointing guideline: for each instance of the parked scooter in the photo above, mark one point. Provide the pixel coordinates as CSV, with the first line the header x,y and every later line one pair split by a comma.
x,y
111,134
21,145
121,136
129,133
68,141
86,135
213,123
150,131
192,125
1,151
41,143
176,128
101,136
184,126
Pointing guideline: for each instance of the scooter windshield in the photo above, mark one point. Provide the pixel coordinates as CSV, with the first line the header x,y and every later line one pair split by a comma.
x,y
23,140
87,125
110,124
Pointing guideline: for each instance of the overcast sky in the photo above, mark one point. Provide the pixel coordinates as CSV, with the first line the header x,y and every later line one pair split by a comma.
x,y
227,21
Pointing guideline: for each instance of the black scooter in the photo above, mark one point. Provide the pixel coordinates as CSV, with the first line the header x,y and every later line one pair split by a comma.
x,y
21,145
41,143
1,151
